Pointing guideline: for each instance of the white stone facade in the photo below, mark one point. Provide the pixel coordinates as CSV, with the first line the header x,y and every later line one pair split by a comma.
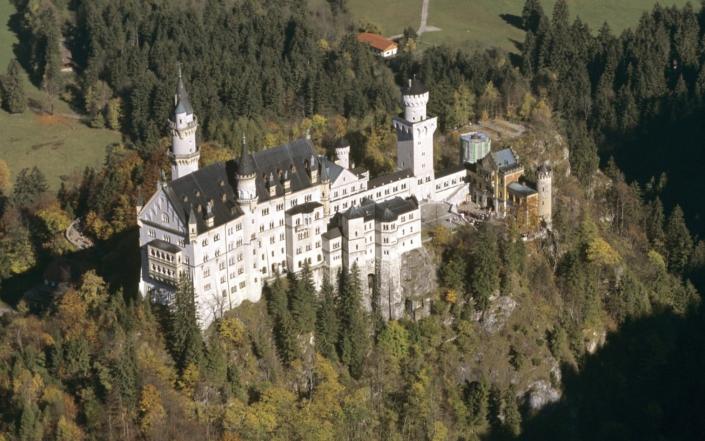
x,y
230,227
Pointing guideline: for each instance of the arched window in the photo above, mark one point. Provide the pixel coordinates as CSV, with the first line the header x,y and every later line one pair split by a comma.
x,y
165,218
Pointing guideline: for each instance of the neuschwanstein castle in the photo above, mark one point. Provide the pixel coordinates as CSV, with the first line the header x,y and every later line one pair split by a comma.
x,y
232,226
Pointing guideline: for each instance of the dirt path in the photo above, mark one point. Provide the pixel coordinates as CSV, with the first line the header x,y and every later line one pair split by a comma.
x,y
424,27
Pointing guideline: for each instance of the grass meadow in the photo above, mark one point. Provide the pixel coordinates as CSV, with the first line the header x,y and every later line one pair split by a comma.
x,y
57,145
488,23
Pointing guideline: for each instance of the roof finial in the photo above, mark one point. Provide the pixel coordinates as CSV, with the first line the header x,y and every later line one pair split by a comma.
x,y
244,145
178,67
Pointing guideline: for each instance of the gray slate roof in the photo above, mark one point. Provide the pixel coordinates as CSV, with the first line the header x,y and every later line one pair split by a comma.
x,y
388,178
306,207
505,159
414,87
183,102
521,189
386,211
217,182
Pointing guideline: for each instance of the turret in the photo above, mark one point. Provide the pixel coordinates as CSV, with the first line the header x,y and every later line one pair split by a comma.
x,y
184,124
414,98
342,153
325,189
544,188
245,177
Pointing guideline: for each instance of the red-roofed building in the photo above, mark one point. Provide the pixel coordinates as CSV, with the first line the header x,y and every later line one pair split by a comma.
x,y
384,47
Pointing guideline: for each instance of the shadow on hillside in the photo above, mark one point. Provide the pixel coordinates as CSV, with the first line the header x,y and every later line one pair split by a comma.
x,y
117,260
671,143
513,20
646,383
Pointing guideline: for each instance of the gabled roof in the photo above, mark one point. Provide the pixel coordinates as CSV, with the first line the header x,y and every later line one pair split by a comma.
x,y
376,41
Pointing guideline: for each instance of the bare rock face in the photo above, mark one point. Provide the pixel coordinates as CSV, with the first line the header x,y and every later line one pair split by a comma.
x,y
541,393
418,279
496,316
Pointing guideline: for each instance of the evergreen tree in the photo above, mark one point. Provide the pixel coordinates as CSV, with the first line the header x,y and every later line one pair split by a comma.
x,y
186,342
531,15
679,243
327,324
30,184
14,97
353,338
302,298
484,279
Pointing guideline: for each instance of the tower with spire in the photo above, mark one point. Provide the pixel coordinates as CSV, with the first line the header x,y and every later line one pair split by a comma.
x,y
184,151
245,178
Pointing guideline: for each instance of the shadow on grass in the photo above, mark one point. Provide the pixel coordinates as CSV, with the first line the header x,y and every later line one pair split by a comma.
x,y
513,20
646,383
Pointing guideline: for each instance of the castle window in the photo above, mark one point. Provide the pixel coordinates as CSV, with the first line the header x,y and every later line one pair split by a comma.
x,y
207,287
238,227
206,272
222,279
233,288
151,233
239,242
231,246
204,243
182,243
265,211
242,285
165,218
221,266
216,238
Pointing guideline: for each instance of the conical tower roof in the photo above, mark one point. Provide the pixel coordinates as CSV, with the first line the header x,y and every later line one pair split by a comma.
x,y
246,163
183,102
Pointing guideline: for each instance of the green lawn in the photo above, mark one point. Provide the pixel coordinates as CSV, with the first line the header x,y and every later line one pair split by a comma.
x,y
478,23
57,145
392,16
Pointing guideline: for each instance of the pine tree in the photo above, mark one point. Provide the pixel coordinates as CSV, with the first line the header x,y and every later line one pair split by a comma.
x,y
531,15
327,324
484,280
353,338
302,299
13,92
186,342
30,184
679,243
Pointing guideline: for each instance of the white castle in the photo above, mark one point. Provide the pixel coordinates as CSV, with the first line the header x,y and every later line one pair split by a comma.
x,y
232,226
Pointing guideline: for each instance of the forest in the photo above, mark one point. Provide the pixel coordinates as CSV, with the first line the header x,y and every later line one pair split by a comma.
x,y
605,309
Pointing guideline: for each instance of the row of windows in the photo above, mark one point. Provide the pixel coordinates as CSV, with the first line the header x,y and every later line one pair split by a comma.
x,y
162,255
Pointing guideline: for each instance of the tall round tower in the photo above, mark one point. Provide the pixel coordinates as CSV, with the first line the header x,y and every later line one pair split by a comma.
x,y
342,153
184,151
245,177
544,184
415,98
